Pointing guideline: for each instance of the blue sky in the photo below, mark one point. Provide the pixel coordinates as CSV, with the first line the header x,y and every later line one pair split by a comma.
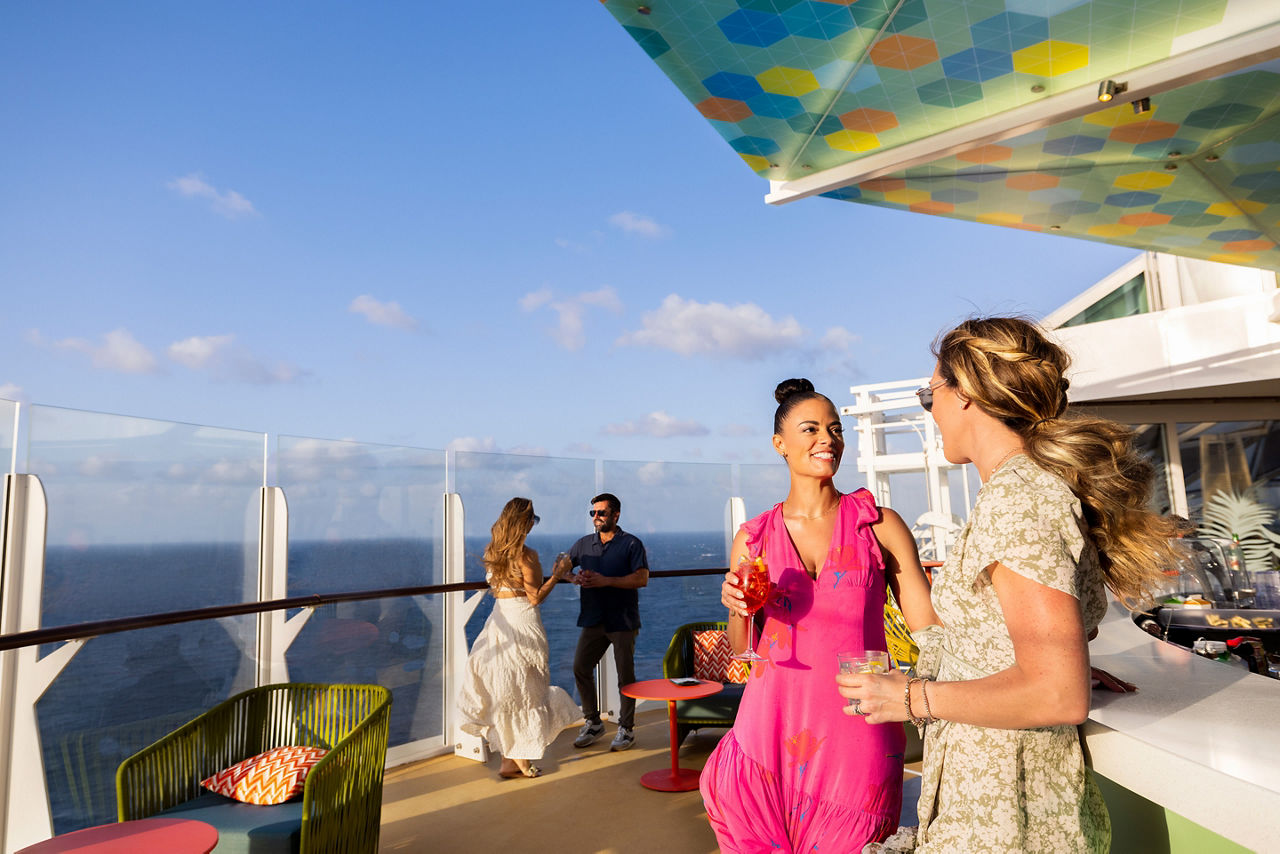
x,y
478,226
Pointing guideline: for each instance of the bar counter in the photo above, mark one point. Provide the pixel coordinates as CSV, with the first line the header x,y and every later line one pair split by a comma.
x,y
1200,738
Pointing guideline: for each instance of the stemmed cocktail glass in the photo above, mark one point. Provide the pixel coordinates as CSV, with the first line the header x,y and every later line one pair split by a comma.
x,y
754,578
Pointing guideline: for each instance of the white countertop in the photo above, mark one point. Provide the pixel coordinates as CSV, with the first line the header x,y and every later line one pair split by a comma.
x,y
1200,737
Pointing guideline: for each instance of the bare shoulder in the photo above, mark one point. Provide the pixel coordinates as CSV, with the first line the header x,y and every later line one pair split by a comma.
x,y
889,521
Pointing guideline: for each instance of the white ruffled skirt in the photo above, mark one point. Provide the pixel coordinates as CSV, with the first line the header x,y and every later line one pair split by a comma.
x,y
507,697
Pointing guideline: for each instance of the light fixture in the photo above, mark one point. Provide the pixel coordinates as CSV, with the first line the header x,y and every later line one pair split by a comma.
x,y
1140,106
1108,89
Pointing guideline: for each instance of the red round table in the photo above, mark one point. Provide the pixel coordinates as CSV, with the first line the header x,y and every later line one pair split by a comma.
x,y
156,835
675,779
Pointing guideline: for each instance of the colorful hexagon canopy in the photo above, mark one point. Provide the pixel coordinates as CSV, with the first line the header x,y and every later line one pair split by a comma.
x,y
989,110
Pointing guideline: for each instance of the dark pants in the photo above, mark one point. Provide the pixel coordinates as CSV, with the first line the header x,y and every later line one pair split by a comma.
x,y
592,643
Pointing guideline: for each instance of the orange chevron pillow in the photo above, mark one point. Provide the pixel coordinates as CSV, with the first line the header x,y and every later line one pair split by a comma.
x,y
268,778
712,658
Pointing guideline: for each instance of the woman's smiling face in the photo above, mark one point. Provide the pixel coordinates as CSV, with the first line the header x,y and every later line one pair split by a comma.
x,y
812,438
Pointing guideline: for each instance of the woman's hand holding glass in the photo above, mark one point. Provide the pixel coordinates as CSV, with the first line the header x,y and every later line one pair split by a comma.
x,y
732,594
875,697
562,567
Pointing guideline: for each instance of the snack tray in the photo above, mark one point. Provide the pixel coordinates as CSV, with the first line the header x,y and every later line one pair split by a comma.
x,y
1259,619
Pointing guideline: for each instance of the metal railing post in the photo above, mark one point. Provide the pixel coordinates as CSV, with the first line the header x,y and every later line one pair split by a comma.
x,y
25,813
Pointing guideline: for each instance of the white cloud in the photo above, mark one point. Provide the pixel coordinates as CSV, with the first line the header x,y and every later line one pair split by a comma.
x,y
634,223
688,327
228,203
535,299
218,356
473,444
572,246
571,311
119,351
657,424
652,474
230,471
585,449
839,338
835,353
198,352
382,313
11,391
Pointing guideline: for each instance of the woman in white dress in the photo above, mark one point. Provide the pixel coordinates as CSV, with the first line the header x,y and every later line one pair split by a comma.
x,y
507,697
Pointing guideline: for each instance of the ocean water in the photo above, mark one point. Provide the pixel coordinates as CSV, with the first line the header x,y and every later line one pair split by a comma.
x,y
123,691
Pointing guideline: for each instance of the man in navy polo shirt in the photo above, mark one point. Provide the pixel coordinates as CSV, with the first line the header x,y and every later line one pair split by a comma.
x,y
614,568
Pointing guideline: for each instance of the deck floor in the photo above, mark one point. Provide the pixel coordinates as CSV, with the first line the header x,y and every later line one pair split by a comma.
x,y
588,801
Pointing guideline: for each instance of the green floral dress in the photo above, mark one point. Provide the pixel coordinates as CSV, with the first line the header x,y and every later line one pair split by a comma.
x,y
994,790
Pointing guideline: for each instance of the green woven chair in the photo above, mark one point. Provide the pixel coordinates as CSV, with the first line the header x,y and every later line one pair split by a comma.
x,y
342,798
718,710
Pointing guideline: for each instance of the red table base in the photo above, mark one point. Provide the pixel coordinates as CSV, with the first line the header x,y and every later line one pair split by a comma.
x,y
675,778
666,780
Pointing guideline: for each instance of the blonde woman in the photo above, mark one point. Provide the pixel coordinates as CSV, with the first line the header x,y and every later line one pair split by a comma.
x,y
507,697
1061,513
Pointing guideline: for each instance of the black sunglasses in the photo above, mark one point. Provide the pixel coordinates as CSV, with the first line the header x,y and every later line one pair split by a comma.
x,y
926,395
536,519
595,513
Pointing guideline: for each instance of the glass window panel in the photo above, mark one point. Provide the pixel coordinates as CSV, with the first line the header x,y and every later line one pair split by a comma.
x,y
677,509
1149,441
363,517
1125,301
144,516
1232,475
561,490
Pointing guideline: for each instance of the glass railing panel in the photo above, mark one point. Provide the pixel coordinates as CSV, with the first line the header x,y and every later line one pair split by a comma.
x,y
561,490
363,517
677,510
762,485
8,411
144,516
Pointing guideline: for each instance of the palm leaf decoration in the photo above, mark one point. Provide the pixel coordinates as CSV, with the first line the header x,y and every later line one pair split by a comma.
x,y
1243,515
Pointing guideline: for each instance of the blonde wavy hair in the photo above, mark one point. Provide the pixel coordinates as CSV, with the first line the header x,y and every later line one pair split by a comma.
x,y
1013,372
506,544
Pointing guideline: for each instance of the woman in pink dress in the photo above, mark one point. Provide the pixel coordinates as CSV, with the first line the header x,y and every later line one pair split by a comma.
x,y
795,773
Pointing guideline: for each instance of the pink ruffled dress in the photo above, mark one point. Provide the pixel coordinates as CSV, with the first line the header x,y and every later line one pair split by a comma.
x,y
795,774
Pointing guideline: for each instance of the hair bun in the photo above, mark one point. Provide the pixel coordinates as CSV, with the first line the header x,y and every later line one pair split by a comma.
x,y
793,386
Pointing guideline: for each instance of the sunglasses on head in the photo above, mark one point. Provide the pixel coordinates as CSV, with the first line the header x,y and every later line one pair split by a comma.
x,y
595,513
926,395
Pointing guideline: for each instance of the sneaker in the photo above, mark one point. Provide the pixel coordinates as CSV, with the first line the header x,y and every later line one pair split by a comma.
x,y
624,739
589,734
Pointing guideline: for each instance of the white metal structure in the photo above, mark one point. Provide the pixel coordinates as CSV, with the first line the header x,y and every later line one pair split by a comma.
x,y
889,419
